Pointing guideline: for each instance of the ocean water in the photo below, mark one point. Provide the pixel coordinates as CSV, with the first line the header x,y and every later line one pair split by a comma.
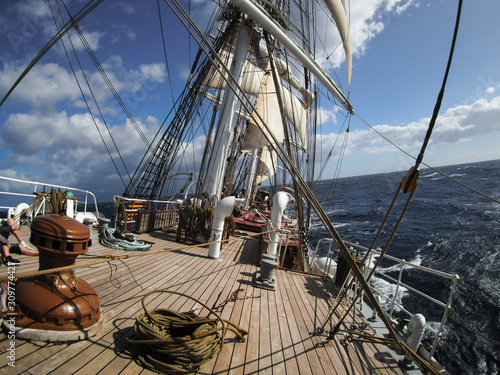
x,y
446,227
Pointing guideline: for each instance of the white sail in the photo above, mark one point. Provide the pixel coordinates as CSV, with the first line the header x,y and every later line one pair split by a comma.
x,y
286,73
338,12
258,14
267,107
250,80
267,165
241,114
296,113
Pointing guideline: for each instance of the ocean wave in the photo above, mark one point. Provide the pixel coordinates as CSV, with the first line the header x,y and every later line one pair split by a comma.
x,y
388,294
430,175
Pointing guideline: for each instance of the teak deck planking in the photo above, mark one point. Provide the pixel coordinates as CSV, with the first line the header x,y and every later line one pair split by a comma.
x,y
279,322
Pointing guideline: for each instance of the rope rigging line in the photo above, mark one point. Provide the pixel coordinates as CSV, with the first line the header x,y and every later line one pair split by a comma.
x,y
92,94
418,159
475,294
357,295
165,51
459,357
341,154
91,5
427,165
110,85
148,155
472,329
338,167
393,233
309,195
441,92
167,148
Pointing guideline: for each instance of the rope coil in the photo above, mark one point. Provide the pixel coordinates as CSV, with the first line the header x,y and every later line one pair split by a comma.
x,y
179,343
106,238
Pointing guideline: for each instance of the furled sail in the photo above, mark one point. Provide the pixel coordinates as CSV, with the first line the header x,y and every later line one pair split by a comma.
x,y
250,81
338,12
258,14
285,72
267,165
268,108
241,114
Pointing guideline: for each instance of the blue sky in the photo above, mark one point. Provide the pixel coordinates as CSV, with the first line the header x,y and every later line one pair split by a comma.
x,y
400,53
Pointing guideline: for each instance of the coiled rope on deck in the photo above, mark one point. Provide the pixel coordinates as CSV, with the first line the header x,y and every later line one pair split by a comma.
x,y
179,343
106,238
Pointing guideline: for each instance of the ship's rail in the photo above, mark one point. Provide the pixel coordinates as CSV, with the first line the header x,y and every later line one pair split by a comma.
x,y
146,215
392,303
17,190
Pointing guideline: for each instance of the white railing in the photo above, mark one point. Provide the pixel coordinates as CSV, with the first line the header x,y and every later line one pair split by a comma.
x,y
400,266
40,187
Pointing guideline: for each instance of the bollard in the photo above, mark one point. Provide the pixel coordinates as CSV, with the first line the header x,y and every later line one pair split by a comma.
x,y
265,278
416,328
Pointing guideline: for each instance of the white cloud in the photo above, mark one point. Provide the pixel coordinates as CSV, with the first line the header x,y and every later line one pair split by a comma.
x,y
456,124
490,90
327,116
126,7
153,72
68,150
184,71
92,38
366,19
45,85
33,17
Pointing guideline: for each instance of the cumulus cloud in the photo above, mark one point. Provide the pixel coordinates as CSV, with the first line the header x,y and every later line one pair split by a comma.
x,y
454,125
366,20
42,88
34,18
327,116
92,38
65,148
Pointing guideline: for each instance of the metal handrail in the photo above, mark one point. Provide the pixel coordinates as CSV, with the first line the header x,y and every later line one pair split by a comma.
x,y
398,283
37,184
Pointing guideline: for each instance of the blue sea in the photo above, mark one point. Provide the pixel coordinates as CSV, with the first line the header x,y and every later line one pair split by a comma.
x,y
447,227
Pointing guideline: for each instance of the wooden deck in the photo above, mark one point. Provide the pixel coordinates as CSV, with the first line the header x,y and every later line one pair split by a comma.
x,y
279,322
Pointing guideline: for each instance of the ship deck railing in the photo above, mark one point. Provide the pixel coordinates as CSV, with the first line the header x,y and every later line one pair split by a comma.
x,y
147,215
390,301
40,197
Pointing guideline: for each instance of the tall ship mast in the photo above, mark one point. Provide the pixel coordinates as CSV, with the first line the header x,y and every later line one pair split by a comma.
x,y
238,150
253,92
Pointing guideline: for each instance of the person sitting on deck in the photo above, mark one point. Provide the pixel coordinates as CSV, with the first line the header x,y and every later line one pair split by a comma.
x,y
8,227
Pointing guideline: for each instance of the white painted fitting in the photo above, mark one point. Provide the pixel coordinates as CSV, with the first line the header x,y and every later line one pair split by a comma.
x,y
223,209
280,201
70,208
416,327
17,212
